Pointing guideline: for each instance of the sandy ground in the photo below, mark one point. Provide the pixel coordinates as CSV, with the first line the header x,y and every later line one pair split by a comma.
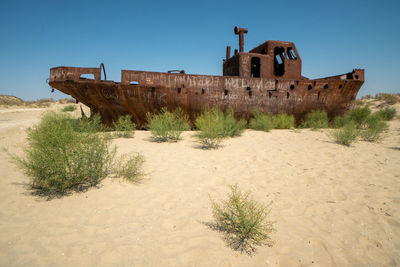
x,y
333,205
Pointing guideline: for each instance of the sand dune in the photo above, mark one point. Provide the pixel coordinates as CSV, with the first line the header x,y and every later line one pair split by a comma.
x,y
333,205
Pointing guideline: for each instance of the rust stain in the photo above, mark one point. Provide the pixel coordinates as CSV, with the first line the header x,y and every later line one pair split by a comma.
x,y
267,78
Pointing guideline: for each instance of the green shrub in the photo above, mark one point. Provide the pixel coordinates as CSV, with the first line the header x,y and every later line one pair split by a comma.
x,y
347,134
283,121
58,159
167,126
387,113
261,122
359,115
69,108
316,120
215,125
359,102
389,99
374,127
87,125
130,168
341,121
231,126
124,126
243,220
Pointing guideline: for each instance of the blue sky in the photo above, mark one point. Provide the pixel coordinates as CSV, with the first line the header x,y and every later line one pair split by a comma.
x,y
332,37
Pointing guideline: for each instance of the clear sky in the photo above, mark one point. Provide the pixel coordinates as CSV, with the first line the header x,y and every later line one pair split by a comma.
x,y
332,37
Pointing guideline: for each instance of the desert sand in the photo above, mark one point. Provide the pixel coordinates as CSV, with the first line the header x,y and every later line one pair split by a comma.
x,y
333,205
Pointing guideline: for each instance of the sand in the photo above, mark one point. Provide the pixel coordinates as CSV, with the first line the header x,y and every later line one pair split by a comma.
x,y
333,205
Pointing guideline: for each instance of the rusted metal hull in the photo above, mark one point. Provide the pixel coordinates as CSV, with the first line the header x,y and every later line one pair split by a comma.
x,y
140,92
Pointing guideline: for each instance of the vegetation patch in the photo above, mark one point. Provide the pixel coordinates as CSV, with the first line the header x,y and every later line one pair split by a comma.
x,y
283,121
131,168
124,127
374,126
69,108
359,115
58,159
261,122
244,221
316,120
8,100
214,125
167,126
347,134
387,113
389,99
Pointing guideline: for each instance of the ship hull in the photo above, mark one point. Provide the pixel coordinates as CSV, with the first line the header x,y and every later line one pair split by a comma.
x,y
140,92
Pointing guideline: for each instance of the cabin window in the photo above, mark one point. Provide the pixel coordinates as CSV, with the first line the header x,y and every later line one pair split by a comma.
x,y
87,76
255,67
291,54
279,61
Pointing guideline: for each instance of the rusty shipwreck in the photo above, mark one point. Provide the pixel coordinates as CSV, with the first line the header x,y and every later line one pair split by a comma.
x,y
267,78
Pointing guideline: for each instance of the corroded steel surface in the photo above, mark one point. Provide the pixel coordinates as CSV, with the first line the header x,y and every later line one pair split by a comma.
x,y
267,78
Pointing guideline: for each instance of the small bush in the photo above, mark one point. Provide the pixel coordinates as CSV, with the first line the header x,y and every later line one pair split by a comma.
x,y
87,125
167,126
231,126
261,122
389,99
359,102
374,127
359,115
341,121
58,159
316,120
244,221
124,126
387,113
347,134
69,108
130,168
284,121
215,125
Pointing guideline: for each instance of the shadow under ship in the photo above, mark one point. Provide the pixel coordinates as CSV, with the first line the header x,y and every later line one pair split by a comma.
x,y
267,78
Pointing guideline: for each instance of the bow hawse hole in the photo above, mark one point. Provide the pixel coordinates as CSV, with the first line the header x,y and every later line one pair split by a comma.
x,y
202,91
325,86
340,86
87,76
226,92
291,86
309,87
179,90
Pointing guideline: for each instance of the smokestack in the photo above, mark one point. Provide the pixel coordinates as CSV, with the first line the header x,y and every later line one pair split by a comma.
x,y
240,31
228,52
